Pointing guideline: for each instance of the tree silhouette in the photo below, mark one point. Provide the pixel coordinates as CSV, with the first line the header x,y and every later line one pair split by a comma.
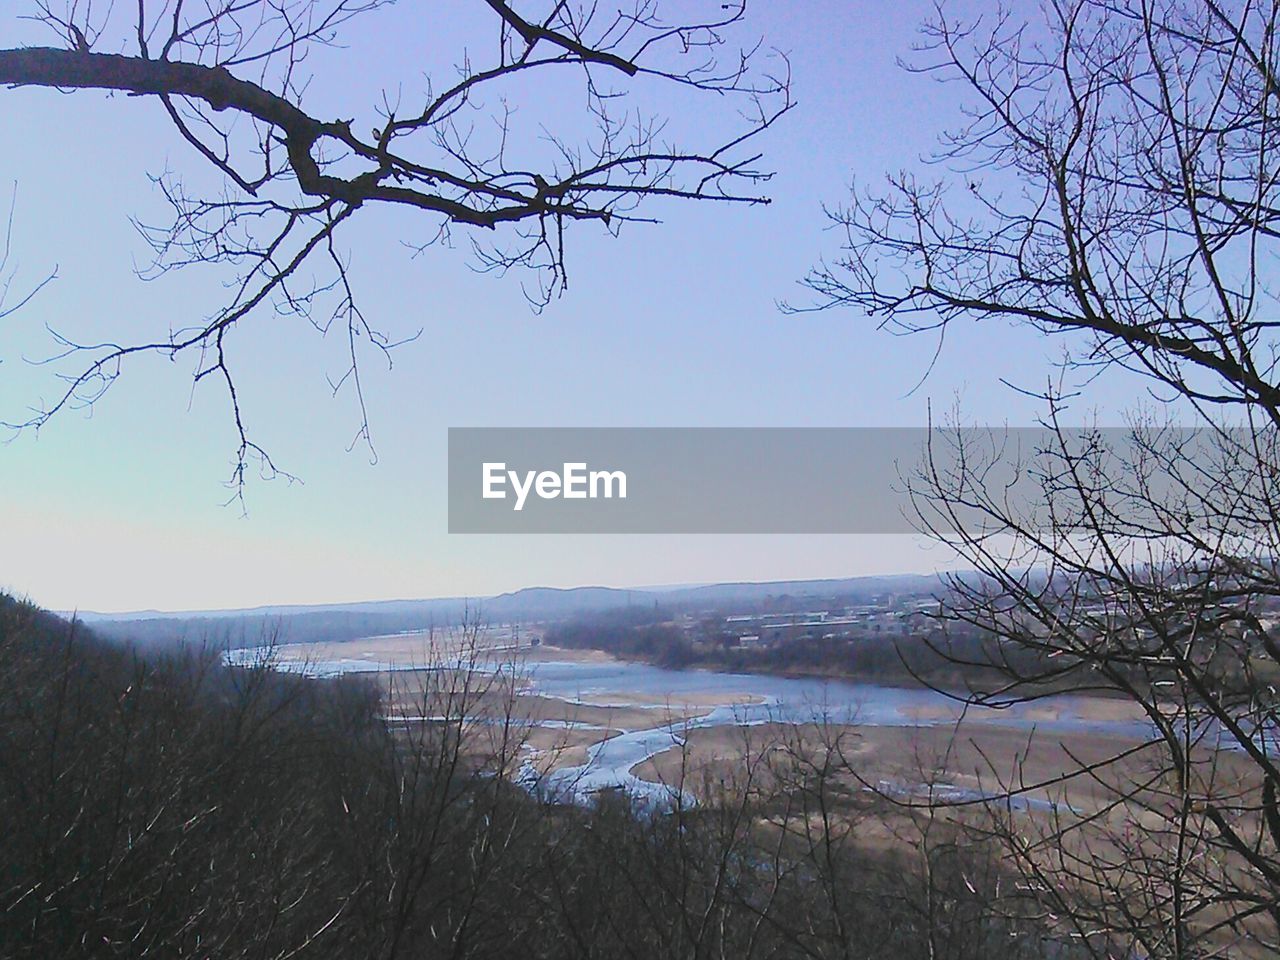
x,y
1113,183
230,77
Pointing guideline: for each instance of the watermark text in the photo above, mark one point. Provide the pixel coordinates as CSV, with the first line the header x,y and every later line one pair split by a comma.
x,y
573,482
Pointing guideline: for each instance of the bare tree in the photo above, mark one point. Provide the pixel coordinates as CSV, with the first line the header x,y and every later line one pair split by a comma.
x,y
230,77
1113,183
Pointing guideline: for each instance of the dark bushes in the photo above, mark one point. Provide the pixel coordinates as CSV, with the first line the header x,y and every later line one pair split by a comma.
x,y
172,807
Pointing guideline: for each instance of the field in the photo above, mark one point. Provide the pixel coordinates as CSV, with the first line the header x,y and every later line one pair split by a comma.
x,y
973,757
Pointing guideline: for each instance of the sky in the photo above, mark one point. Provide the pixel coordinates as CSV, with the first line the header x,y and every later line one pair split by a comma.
x,y
123,507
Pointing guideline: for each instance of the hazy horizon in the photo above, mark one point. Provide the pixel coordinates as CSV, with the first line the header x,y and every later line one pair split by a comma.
x,y
359,601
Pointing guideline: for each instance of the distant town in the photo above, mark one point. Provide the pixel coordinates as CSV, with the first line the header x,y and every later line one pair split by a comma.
x,y
881,615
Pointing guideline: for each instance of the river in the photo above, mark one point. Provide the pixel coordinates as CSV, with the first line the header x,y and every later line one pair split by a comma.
x,y
754,699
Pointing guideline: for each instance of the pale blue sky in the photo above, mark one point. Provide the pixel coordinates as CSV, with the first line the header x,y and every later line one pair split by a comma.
x,y
670,325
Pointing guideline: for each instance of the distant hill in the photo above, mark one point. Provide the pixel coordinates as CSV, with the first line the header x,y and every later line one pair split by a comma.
x,y
348,621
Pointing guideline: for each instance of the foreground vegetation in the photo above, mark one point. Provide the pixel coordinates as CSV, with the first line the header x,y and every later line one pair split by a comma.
x,y
172,807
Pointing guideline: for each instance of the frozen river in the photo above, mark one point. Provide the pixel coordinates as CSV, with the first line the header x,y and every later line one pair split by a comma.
x,y
755,699
784,699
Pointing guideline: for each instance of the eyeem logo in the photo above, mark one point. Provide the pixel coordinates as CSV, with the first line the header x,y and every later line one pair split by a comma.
x,y
575,482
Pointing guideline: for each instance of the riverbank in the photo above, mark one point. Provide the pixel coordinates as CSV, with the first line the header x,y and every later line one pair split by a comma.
x,y
588,719
969,760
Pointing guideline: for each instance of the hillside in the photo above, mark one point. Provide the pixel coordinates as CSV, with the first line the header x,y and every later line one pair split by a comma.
x,y
335,622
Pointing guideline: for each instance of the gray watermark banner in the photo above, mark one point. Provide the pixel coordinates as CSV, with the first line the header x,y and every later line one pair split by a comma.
x,y
804,480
